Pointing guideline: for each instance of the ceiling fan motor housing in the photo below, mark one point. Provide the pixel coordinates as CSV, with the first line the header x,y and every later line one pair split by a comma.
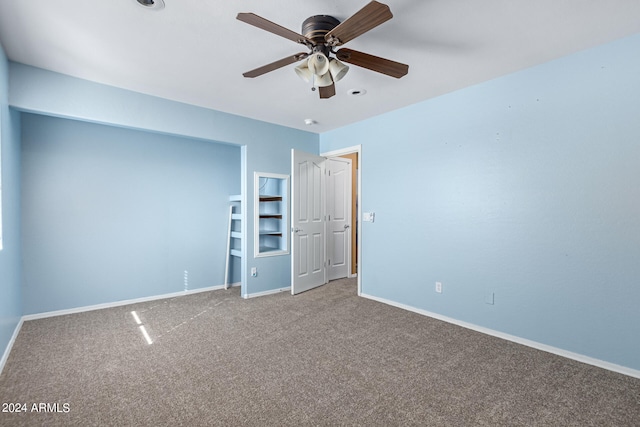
x,y
315,27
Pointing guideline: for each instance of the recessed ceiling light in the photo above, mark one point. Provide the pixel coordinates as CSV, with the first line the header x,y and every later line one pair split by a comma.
x,y
356,92
151,4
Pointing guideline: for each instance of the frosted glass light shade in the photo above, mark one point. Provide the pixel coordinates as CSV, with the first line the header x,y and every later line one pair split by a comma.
x,y
323,80
337,69
318,64
304,72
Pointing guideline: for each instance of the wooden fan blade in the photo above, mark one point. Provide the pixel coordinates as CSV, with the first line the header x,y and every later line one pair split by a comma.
x,y
272,27
362,21
327,91
373,63
275,65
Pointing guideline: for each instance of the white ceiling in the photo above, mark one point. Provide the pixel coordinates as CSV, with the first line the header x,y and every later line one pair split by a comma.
x,y
195,51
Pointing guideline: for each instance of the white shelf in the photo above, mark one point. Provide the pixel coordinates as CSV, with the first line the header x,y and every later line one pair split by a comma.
x,y
270,198
271,220
269,249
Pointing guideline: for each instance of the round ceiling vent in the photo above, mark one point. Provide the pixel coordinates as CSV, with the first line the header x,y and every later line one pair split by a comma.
x,y
151,4
356,92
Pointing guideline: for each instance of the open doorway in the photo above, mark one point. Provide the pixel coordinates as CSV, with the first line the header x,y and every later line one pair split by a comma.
x,y
310,219
353,153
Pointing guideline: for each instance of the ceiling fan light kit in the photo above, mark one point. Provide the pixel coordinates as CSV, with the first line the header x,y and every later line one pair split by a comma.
x,y
322,34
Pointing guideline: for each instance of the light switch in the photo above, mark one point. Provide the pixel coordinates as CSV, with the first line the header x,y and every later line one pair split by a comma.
x,y
368,216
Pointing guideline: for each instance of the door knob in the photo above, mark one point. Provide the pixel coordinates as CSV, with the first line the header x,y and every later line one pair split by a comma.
x,y
346,226
295,230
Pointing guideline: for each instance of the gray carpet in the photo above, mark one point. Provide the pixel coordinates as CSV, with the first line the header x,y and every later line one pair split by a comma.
x,y
325,357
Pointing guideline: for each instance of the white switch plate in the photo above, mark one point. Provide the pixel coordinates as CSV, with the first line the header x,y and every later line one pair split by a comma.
x,y
439,287
368,216
489,298
254,272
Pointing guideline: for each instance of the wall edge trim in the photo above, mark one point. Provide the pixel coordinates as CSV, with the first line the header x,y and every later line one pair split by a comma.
x,y
513,338
82,309
7,350
265,293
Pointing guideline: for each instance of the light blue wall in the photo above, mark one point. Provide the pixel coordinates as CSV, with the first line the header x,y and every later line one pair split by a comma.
x,y
10,291
267,146
273,272
45,92
528,187
111,214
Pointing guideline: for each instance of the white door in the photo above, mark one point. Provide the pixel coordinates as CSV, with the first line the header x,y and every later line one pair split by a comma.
x,y
338,217
308,223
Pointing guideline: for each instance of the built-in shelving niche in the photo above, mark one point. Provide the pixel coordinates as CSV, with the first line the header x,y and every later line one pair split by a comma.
x,y
271,209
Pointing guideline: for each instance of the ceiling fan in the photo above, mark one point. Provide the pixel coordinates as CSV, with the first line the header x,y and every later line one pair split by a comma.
x,y
322,33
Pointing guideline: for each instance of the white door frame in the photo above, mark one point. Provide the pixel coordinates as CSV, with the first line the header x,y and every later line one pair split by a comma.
x,y
349,150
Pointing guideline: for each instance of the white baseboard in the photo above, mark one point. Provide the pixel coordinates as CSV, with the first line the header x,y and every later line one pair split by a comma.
x,y
529,343
120,303
7,350
233,285
261,294
47,314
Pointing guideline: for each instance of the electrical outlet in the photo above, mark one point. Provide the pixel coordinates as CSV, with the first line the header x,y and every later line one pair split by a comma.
x,y
254,272
439,287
